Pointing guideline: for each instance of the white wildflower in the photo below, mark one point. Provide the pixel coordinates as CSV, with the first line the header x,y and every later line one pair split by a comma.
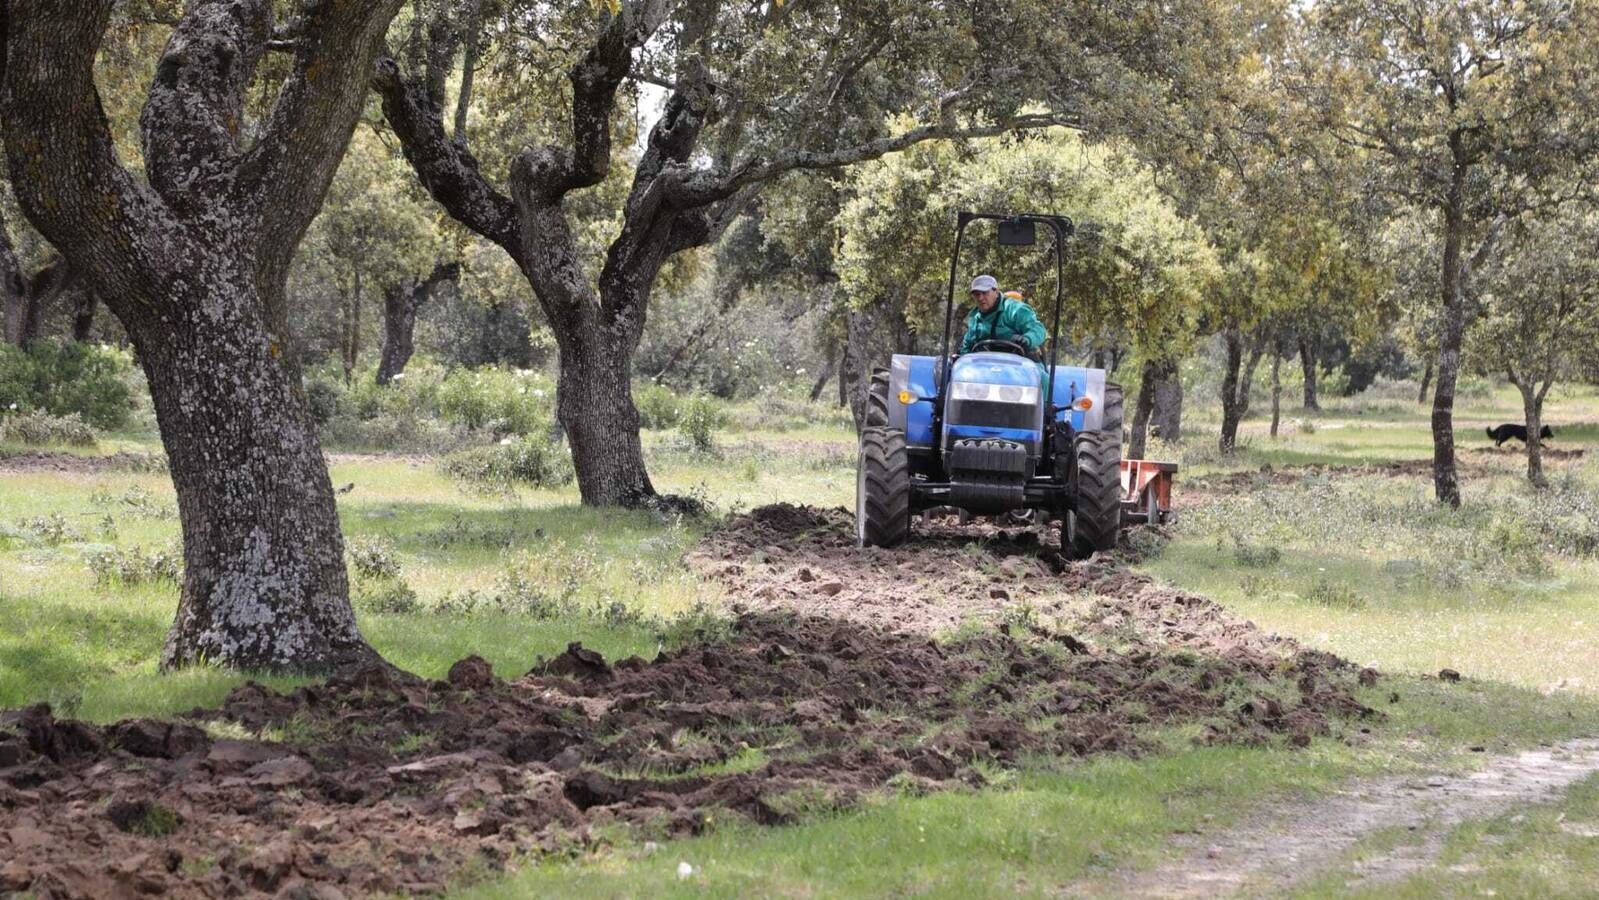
x,y
684,870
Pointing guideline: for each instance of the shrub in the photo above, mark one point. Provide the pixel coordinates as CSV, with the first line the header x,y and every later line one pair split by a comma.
x,y
323,397
66,378
1474,387
658,405
135,502
378,586
701,416
528,460
42,428
1335,594
51,529
134,566
503,401
374,558
384,596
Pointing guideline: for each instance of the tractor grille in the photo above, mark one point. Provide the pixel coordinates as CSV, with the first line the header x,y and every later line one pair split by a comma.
x,y
992,414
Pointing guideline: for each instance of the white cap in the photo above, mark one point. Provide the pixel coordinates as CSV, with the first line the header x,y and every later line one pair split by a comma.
x,y
984,283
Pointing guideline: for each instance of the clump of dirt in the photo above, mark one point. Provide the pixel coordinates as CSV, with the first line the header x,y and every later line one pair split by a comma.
x,y
382,782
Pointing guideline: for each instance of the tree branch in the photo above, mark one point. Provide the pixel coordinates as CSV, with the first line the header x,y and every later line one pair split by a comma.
x,y
474,41
555,171
446,168
699,188
317,110
66,174
192,116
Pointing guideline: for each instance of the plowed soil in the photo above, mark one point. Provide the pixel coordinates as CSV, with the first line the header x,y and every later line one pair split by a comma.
x,y
819,694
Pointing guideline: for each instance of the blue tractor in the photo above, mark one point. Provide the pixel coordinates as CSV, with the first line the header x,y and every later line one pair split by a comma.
x,y
990,432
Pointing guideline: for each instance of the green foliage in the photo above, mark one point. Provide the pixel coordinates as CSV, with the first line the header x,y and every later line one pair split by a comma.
x,y
658,405
701,416
134,565
1144,270
529,460
379,586
498,400
384,596
430,408
66,378
39,428
374,558
1539,320
50,529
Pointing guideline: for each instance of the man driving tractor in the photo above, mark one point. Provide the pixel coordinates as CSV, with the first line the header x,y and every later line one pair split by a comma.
x,y
1001,318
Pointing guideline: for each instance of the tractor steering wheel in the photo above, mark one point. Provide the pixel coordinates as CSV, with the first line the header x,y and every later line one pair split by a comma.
x,y
999,345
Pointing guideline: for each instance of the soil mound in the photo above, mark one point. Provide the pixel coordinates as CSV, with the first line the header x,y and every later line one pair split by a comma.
x,y
378,781
85,464
949,575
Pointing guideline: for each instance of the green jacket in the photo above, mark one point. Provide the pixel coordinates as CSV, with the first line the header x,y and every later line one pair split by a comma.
x,y
1011,320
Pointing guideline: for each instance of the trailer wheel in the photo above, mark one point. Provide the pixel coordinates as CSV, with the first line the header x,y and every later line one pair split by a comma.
x,y
877,399
1115,402
1097,515
882,489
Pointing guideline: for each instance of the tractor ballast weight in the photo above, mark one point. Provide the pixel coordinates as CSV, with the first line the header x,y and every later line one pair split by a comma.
x,y
987,432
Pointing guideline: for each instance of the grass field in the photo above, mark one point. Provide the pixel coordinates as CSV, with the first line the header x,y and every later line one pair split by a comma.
x,y
1505,590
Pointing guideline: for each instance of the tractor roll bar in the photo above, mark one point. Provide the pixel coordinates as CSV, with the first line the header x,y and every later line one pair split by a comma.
x,y
1063,228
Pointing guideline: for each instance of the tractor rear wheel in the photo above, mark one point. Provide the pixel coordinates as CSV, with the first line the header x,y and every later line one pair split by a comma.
x,y
1097,514
1115,402
882,489
877,399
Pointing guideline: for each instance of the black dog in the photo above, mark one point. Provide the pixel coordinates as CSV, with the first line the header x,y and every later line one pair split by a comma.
x,y
1509,430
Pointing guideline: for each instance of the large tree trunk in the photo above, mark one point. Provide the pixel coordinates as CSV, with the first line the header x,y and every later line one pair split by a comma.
x,y
1426,382
855,377
824,376
1532,411
399,333
83,311
264,583
595,406
13,292
1446,485
1307,364
192,258
1237,379
1143,408
1277,390
1166,418
401,304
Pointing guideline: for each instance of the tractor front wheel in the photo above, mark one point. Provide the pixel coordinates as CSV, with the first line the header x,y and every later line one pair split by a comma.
x,y
882,489
1097,515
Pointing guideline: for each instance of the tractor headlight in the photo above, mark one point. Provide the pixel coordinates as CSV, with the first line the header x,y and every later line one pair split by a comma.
x,y
993,393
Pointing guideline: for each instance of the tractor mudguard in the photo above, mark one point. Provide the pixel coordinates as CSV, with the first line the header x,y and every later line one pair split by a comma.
x,y
919,376
1070,385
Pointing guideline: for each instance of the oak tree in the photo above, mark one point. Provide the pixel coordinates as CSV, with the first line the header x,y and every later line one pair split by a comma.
x,y
190,253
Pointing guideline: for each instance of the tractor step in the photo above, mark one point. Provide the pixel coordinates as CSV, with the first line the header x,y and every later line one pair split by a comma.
x,y
1146,491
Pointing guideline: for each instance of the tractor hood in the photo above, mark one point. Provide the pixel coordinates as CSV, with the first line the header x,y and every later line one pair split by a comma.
x,y
996,368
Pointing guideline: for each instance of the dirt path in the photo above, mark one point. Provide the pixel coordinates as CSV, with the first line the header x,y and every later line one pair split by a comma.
x,y
1290,844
